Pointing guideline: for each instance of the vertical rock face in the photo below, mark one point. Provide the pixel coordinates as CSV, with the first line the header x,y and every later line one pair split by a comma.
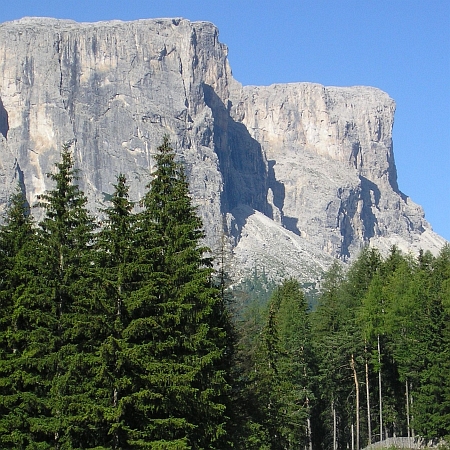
x,y
113,89
304,164
331,165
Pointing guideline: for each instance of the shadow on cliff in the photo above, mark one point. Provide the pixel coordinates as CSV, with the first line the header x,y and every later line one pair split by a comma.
x,y
370,194
242,162
279,194
4,121
246,174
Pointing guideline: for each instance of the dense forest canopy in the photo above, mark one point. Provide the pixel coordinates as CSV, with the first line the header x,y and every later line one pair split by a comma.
x,y
120,335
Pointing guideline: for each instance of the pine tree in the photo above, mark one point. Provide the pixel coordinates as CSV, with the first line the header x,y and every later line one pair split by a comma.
x,y
443,267
116,256
334,339
332,378
14,235
250,395
66,279
25,336
340,348
175,340
432,402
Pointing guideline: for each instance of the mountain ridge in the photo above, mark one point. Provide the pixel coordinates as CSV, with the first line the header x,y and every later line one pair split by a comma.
x,y
315,164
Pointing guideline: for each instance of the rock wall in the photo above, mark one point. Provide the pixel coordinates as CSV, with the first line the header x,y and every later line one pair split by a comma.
x,y
313,164
331,163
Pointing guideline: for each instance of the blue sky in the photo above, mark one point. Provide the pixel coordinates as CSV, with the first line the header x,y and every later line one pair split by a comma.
x,y
399,46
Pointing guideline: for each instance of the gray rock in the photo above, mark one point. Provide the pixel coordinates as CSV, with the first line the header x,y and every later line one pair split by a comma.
x,y
293,173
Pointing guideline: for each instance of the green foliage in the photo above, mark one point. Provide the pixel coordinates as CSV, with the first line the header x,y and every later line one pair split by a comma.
x,y
19,370
123,337
276,362
176,336
64,256
114,283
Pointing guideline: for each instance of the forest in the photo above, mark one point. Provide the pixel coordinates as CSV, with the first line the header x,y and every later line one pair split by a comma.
x,y
125,333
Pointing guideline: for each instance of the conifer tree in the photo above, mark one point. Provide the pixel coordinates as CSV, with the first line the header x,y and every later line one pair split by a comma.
x,y
66,279
116,264
282,373
296,365
176,345
25,334
341,349
432,402
333,345
14,235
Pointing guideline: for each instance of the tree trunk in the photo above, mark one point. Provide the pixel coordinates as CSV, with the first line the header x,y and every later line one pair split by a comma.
x,y
333,409
353,436
407,411
369,424
355,377
118,336
379,388
308,424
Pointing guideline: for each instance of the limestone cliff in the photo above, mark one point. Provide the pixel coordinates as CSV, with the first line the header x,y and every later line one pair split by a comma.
x,y
295,173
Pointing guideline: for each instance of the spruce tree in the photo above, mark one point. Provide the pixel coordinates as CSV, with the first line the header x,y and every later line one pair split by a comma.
x,y
432,401
25,335
333,350
66,261
14,235
175,342
116,264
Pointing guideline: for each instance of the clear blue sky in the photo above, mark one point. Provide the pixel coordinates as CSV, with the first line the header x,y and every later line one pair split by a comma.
x,y
399,46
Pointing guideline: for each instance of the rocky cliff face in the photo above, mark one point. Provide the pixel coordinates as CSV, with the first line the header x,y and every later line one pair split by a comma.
x,y
294,173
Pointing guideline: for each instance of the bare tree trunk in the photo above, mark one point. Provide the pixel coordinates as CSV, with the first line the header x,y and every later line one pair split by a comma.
x,y
355,377
333,409
407,411
379,389
353,436
308,424
369,424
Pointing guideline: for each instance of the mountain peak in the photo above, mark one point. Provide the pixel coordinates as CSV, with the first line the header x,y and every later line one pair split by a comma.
x,y
315,164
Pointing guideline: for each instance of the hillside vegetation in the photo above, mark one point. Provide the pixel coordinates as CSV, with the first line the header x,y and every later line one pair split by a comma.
x,y
120,335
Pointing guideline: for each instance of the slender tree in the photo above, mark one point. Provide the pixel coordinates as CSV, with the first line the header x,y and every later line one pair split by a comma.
x,y
116,275
431,402
333,387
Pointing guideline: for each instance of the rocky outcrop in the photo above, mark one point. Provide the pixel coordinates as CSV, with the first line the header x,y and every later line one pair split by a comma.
x,y
331,165
299,169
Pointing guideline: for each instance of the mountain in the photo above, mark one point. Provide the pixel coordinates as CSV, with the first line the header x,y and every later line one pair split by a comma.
x,y
295,174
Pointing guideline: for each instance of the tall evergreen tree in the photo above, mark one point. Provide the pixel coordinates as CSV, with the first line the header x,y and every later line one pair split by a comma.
x,y
175,337
332,364
432,400
25,334
116,267
14,235
66,265
341,350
